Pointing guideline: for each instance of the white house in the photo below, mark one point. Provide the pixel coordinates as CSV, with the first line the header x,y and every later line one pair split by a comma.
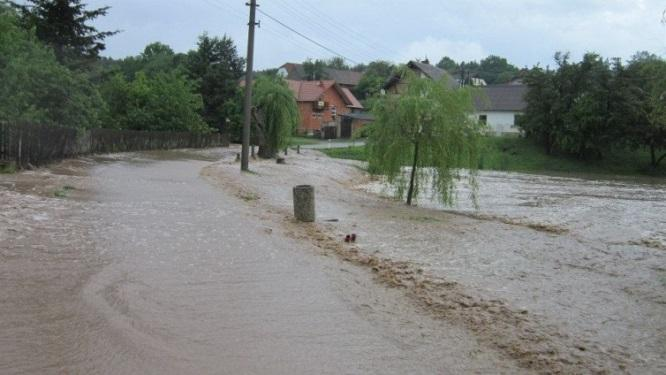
x,y
500,106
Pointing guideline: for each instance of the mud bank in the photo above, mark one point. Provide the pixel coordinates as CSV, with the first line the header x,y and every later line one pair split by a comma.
x,y
540,291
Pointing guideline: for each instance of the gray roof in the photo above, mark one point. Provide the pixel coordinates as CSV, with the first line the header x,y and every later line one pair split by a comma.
x,y
341,77
428,70
507,97
360,116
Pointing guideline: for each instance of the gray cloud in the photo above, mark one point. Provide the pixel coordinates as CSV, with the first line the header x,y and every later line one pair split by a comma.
x,y
526,32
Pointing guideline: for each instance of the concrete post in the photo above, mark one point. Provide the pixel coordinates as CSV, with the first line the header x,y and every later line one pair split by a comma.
x,y
304,203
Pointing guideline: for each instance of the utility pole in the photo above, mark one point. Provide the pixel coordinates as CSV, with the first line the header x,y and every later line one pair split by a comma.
x,y
247,106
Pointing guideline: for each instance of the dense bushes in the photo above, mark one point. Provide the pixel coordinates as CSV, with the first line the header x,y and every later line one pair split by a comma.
x,y
591,107
36,87
60,79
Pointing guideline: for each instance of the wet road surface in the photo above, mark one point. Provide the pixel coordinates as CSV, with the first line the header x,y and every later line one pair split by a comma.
x,y
155,270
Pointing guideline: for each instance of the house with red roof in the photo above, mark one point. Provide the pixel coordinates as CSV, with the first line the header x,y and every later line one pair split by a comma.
x,y
321,105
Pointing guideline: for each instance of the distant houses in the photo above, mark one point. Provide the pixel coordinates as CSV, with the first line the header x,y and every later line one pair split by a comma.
x,y
497,106
344,78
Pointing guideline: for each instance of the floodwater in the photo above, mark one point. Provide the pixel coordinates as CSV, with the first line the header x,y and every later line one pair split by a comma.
x,y
142,266
563,274
587,254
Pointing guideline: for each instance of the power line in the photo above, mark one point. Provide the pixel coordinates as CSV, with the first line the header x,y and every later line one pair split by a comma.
x,y
359,37
333,35
306,37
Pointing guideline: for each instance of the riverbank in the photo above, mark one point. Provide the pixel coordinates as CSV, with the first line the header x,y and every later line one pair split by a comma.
x,y
532,282
521,155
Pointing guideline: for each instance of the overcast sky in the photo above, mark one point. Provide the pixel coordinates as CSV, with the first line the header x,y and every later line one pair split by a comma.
x,y
526,32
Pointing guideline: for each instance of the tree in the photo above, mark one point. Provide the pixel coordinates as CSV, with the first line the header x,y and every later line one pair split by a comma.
x,y
314,70
375,76
65,26
217,68
337,63
448,64
541,118
36,88
275,114
163,102
430,128
495,69
648,73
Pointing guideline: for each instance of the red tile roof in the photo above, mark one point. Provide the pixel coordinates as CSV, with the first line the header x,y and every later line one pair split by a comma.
x,y
309,91
349,98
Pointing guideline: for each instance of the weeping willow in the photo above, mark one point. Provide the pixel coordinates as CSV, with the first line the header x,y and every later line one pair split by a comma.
x,y
424,137
275,115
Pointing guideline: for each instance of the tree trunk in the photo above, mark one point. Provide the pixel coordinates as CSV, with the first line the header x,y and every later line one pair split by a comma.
x,y
653,157
266,151
410,192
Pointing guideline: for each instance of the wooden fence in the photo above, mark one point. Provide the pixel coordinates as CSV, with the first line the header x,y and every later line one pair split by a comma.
x,y
32,144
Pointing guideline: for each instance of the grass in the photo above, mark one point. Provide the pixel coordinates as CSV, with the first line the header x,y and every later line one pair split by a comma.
x,y
521,155
350,152
7,167
63,191
300,141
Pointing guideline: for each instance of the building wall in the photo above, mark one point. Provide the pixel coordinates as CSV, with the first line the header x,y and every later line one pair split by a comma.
x,y
500,122
310,123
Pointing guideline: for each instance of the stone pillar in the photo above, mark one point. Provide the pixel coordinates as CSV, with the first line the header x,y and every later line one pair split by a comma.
x,y
304,203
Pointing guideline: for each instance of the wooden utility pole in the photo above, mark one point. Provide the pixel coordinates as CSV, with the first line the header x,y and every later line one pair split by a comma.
x,y
247,106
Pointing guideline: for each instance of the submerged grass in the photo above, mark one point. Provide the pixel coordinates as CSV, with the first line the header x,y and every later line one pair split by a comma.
x,y
514,154
63,191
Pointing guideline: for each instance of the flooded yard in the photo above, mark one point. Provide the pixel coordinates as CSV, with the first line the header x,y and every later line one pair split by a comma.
x,y
579,262
141,266
175,262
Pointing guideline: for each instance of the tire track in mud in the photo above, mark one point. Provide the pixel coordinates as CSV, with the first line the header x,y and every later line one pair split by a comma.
x,y
515,333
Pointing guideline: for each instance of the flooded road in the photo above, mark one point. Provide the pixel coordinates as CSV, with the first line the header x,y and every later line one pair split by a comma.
x,y
561,274
137,264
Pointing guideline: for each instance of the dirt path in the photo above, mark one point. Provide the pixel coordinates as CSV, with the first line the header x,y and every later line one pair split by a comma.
x,y
550,294
142,266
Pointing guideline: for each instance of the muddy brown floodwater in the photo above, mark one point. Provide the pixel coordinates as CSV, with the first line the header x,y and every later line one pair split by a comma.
x,y
138,264
559,274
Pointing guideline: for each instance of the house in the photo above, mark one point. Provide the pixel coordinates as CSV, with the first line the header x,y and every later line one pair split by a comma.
x,y
353,121
396,84
500,107
321,105
497,106
343,78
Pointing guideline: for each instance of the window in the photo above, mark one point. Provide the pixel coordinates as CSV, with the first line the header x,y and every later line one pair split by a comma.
x,y
516,119
483,119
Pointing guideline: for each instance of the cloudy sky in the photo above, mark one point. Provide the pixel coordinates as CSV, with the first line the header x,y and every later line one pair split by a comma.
x,y
526,32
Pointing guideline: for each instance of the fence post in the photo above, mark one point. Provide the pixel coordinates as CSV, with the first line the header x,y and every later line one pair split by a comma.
x,y
18,154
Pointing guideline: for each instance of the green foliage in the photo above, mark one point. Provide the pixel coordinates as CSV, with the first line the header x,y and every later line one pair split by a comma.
x,y
65,26
375,76
216,68
314,70
277,113
429,127
522,155
351,152
588,108
648,73
36,88
493,69
164,102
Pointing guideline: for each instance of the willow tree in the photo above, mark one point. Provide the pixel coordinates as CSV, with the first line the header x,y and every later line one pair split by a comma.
x,y
429,128
275,115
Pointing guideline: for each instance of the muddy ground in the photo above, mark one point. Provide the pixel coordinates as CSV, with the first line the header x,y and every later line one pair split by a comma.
x,y
136,264
560,274
175,262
